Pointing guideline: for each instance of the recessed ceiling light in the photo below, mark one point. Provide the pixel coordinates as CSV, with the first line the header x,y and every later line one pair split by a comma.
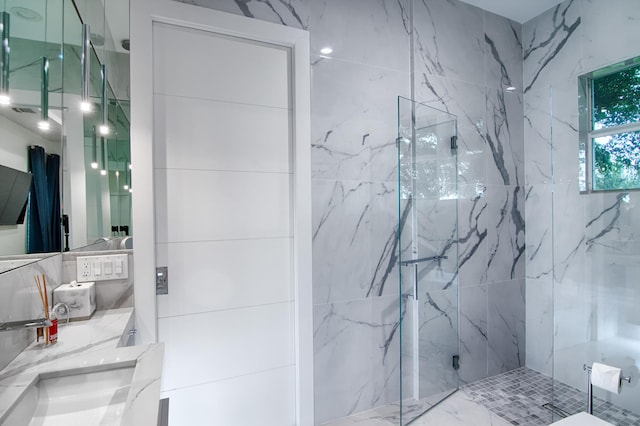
x,y
326,50
26,14
510,89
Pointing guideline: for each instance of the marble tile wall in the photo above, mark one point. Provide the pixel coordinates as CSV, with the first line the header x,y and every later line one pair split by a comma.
x,y
580,248
20,301
464,59
111,294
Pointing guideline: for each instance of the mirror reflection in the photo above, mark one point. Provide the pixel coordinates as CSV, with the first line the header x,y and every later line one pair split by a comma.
x,y
76,164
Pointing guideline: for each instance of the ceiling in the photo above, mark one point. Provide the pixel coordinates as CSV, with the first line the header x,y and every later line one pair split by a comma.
x,y
49,15
517,10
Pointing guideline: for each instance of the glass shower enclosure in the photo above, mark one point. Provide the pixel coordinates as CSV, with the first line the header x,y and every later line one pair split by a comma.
x,y
595,262
428,257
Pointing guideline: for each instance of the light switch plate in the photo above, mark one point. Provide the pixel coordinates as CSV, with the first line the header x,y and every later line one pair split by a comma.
x,y
102,268
162,280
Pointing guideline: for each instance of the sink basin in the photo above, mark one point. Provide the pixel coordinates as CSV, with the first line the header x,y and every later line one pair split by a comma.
x,y
95,397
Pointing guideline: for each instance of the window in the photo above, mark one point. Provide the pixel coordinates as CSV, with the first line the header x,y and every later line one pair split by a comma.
x,y
610,128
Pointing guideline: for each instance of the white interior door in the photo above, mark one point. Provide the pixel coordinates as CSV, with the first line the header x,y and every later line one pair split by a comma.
x,y
222,149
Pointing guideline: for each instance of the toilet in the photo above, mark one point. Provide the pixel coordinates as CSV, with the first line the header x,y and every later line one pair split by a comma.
x,y
581,419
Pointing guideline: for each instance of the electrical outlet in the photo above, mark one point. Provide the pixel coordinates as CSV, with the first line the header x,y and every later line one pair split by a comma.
x,y
84,267
102,268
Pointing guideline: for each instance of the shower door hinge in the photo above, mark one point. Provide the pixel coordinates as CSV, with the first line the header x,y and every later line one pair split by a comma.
x,y
454,142
162,280
456,362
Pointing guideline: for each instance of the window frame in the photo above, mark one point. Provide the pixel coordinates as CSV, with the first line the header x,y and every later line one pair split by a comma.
x,y
586,134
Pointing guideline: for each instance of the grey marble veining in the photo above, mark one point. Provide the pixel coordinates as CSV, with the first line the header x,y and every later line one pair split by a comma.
x,y
341,240
504,138
438,341
293,13
564,128
20,301
569,234
348,338
537,134
463,58
506,241
602,45
384,279
467,101
473,333
373,33
539,325
539,214
552,61
353,127
473,235
503,56
551,47
459,409
386,349
594,235
453,51
84,346
506,326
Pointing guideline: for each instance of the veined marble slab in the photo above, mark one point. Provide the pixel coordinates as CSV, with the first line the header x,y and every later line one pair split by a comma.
x,y
83,346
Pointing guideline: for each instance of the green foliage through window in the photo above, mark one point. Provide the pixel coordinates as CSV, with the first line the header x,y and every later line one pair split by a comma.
x,y
616,155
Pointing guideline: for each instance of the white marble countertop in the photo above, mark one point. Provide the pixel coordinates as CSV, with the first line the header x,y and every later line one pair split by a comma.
x,y
86,345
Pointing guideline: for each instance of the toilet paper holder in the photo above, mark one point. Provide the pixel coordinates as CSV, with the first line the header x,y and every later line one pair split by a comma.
x,y
587,368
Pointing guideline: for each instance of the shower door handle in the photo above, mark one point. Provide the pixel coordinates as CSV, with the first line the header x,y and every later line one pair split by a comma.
x,y
415,262
422,259
415,281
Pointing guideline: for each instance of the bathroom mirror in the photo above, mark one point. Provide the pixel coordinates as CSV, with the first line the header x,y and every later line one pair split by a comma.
x,y
94,202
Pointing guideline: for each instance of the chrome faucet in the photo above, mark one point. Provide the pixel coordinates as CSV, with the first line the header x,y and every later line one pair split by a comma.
x,y
19,325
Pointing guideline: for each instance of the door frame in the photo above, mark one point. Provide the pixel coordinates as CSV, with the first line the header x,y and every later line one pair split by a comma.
x,y
144,13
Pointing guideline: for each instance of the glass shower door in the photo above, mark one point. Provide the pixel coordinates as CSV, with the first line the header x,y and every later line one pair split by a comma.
x,y
428,255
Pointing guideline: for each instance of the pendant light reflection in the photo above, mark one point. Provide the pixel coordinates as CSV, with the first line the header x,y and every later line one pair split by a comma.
x,y
103,146
43,124
104,127
126,176
94,150
5,98
85,77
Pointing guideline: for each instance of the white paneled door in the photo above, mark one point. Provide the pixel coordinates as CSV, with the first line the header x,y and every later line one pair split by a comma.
x,y
223,177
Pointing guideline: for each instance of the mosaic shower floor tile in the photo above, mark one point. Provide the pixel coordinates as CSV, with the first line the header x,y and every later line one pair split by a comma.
x,y
519,397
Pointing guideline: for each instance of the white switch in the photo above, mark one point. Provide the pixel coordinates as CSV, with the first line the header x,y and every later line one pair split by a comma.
x,y
102,268
108,267
97,268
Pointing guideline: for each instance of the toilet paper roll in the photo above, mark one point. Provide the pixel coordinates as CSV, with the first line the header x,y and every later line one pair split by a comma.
x,y
606,377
